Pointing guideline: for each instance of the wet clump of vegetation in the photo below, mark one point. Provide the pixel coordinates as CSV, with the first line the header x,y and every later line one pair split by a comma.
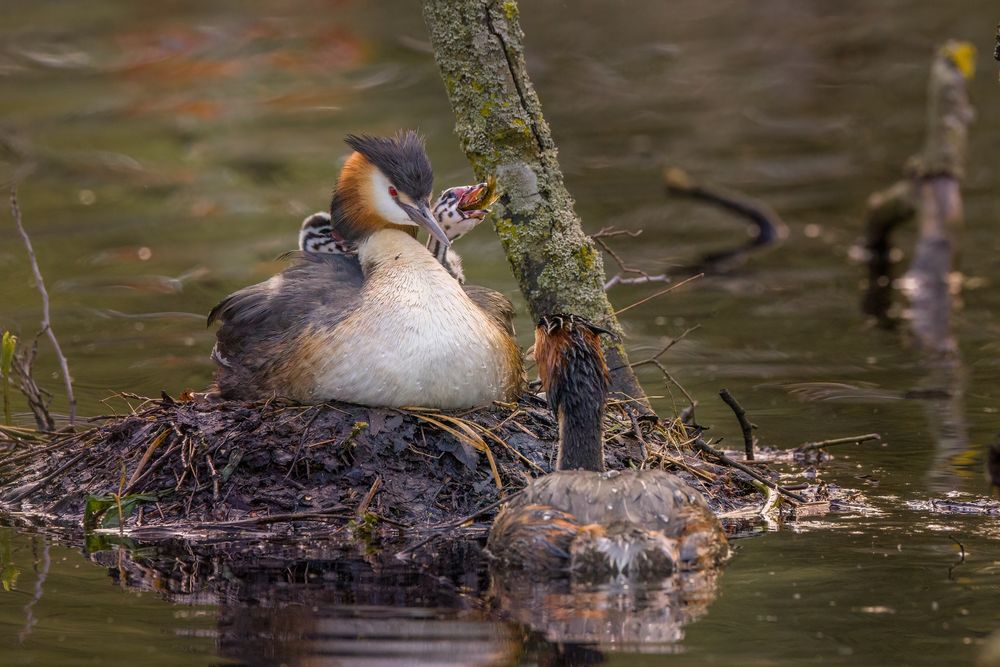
x,y
174,466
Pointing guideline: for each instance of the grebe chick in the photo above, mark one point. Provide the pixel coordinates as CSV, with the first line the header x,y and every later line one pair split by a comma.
x,y
580,519
316,233
387,326
316,236
459,210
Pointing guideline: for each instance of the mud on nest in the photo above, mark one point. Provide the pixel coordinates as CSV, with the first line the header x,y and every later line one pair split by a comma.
x,y
189,464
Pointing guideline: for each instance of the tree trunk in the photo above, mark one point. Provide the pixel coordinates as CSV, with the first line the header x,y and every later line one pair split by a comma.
x,y
478,45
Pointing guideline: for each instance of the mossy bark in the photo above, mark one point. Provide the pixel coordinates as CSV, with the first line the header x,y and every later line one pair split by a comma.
x,y
478,45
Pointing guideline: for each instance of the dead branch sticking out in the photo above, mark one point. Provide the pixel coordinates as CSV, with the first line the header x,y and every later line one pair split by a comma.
x,y
886,210
38,398
741,417
770,228
996,49
15,212
627,275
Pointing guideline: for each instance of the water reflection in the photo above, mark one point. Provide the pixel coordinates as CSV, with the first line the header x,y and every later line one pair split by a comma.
x,y
205,136
319,602
613,616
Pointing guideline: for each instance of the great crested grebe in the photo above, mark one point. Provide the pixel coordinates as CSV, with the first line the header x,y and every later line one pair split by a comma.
x,y
458,211
581,519
388,326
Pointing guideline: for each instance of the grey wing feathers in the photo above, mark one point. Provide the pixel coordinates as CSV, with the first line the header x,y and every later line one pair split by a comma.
x,y
315,281
652,499
257,321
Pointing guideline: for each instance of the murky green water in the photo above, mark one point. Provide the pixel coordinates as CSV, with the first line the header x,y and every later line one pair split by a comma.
x,y
176,148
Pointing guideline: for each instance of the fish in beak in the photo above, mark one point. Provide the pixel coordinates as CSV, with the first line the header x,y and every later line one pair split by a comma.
x,y
476,200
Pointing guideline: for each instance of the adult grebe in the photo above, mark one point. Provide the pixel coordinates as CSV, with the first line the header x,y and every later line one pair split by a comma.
x,y
581,519
388,326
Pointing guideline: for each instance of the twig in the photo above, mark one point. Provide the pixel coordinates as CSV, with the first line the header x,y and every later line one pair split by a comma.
x,y
35,395
809,446
708,449
996,49
215,477
33,453
640,276
153,444
302,440
118,499
315,515
55,473
663,350
638,434
687,414
887,210
15,212
367,500
660,293
769,502
741,417
670,378
154,467
442,528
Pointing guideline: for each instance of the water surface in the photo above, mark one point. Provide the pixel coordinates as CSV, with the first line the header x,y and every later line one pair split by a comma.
x,y
174,150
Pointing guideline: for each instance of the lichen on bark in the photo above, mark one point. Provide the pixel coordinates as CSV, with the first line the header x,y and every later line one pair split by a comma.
x,y
479,48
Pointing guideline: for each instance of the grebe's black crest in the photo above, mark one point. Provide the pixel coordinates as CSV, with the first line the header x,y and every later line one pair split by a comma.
x,y
402,158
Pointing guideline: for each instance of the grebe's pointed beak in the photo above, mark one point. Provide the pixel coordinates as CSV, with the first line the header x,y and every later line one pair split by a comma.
x,y
421,216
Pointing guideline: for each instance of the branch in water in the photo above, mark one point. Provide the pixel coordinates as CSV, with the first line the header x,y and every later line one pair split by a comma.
x,y
810,446
771,229
741,417
15,212
930,192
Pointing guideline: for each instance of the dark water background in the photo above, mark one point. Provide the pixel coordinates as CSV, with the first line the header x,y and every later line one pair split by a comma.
x,y
177,146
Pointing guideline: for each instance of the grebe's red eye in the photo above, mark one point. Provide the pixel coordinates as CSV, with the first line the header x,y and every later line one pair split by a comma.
x,y
392,191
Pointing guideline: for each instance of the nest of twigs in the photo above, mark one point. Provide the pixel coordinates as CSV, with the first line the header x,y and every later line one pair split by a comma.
x,y
186,465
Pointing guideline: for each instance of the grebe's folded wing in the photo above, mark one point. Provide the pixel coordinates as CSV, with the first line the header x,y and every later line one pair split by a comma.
x,y
494,304
260,322
315,283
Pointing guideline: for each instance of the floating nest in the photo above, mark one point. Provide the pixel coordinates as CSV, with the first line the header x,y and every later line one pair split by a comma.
x,y
172,467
